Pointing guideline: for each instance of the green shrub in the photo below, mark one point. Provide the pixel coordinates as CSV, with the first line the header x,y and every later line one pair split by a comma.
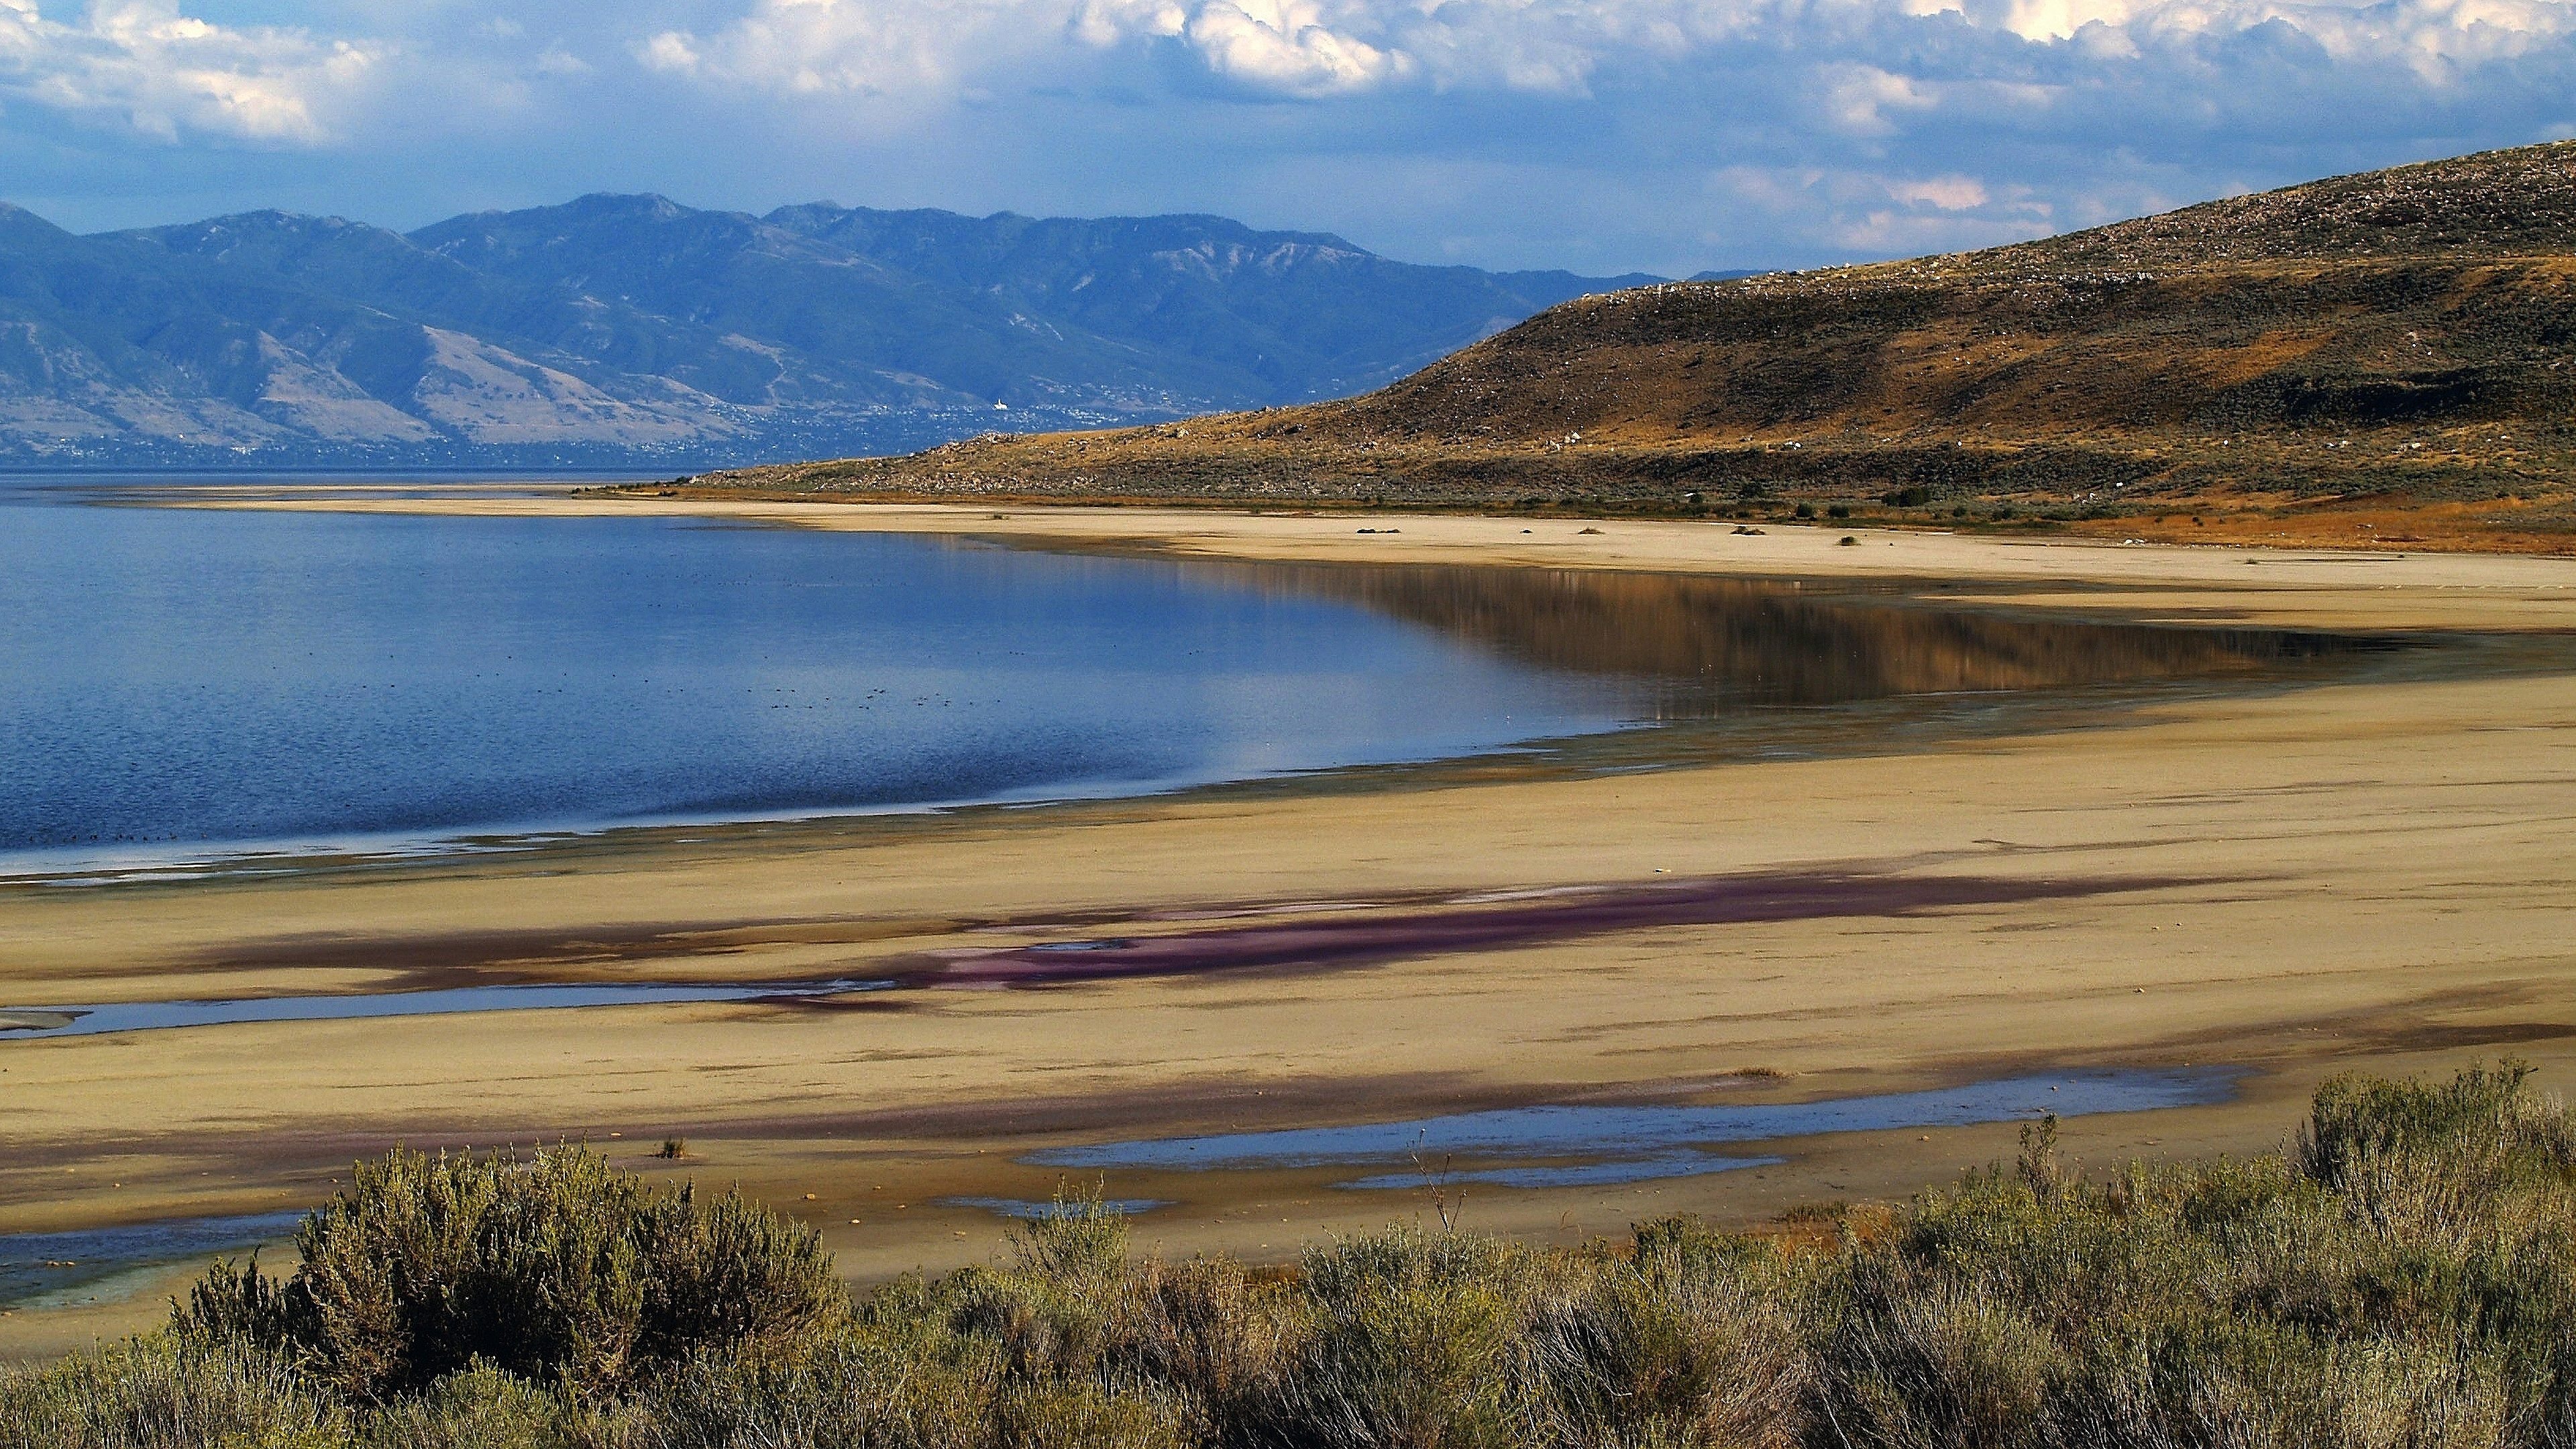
x,y
851,1386
1692,1340
555,1267
2482,1130
1406,1338
481,1408
167,1392
2404,1276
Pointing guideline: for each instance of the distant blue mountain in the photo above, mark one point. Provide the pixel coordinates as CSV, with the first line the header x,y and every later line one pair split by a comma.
x,y
626,330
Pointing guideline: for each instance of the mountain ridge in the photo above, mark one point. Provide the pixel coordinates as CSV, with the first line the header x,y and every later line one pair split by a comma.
x,y
2403,336
618,330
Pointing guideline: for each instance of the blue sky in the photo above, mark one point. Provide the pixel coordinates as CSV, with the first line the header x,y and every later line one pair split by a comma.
x,y
1657,135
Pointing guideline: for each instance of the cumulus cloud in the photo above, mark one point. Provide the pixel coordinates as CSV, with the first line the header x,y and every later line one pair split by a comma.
x,y
143,64
1869,55
859,47
879,48
1664,134
1285,46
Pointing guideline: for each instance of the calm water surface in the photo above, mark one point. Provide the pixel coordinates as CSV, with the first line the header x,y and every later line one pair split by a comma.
x,y
1531,1146
206,680
45,1270
186,684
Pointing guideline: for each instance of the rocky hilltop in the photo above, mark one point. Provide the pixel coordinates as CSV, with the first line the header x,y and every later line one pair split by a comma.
x,y
619,329
2395,343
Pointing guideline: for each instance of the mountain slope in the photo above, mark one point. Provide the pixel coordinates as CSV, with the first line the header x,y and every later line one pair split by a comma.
x,y
1280,314
2406,333
613,330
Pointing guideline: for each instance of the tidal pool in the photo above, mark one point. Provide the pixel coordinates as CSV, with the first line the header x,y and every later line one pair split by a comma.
x,y
1559,1146
52,1269
21,1023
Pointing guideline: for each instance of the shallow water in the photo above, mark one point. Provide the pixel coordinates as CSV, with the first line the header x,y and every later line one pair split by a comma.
x,y
1551,1146
186,685
22,1023
49,1269
1029,1210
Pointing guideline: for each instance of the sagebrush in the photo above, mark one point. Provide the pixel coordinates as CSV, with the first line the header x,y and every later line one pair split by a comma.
x,y
2404,1274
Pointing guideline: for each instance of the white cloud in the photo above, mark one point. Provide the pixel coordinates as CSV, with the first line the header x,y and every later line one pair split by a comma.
x,y
1330,48
1596,133
144,64
878,48
1285,46
1858,99
1945,193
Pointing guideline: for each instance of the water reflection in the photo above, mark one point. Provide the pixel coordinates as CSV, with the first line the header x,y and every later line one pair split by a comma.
x,y
19,1023
1719,645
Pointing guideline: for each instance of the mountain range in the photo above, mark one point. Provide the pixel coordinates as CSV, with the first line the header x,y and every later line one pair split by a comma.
x,y
618,330
2402,338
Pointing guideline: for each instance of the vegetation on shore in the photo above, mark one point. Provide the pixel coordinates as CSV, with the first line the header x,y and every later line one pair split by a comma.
x,y
2404,1274
2384,352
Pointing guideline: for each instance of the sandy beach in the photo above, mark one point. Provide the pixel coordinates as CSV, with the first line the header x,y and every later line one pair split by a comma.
x,y
2290,883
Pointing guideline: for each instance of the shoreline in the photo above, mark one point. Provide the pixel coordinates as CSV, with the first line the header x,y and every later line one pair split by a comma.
x,y
2301,587
2359,873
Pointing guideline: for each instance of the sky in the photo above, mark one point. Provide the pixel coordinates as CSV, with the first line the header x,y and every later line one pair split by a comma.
x,y
1667,136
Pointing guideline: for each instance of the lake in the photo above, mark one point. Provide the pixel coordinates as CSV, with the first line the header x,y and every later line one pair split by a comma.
x,y
184,684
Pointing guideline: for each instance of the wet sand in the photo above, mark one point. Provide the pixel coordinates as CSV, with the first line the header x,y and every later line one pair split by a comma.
x,y
2361,874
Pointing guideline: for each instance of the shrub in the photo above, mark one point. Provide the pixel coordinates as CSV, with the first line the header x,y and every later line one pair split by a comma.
x,y
1407,1338
1693,1339
850,1385
2404,1276
481,1408
555,1267
167,1392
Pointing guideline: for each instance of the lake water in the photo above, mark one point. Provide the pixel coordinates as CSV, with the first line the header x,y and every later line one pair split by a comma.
x,y
180,681
1573,1146
181,684
55,1270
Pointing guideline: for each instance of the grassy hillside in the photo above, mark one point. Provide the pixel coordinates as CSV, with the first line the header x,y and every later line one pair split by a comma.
x,y
2386,348
2403,1275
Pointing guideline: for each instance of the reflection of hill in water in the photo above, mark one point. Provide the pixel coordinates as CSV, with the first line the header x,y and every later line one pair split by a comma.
x,y
1730,642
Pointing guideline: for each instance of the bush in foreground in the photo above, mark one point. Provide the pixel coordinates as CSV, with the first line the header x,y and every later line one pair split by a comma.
x,y
556,1267
2404,1275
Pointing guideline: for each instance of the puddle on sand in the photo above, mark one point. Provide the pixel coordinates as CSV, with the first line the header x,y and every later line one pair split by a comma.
x,y
1030,1210
54,1270
1566,1146
50,1021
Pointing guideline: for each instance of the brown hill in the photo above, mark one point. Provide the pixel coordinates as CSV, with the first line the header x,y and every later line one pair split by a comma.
x,y
2387,351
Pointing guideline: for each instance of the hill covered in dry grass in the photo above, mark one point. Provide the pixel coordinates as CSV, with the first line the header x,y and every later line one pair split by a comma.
x,y
2375,356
